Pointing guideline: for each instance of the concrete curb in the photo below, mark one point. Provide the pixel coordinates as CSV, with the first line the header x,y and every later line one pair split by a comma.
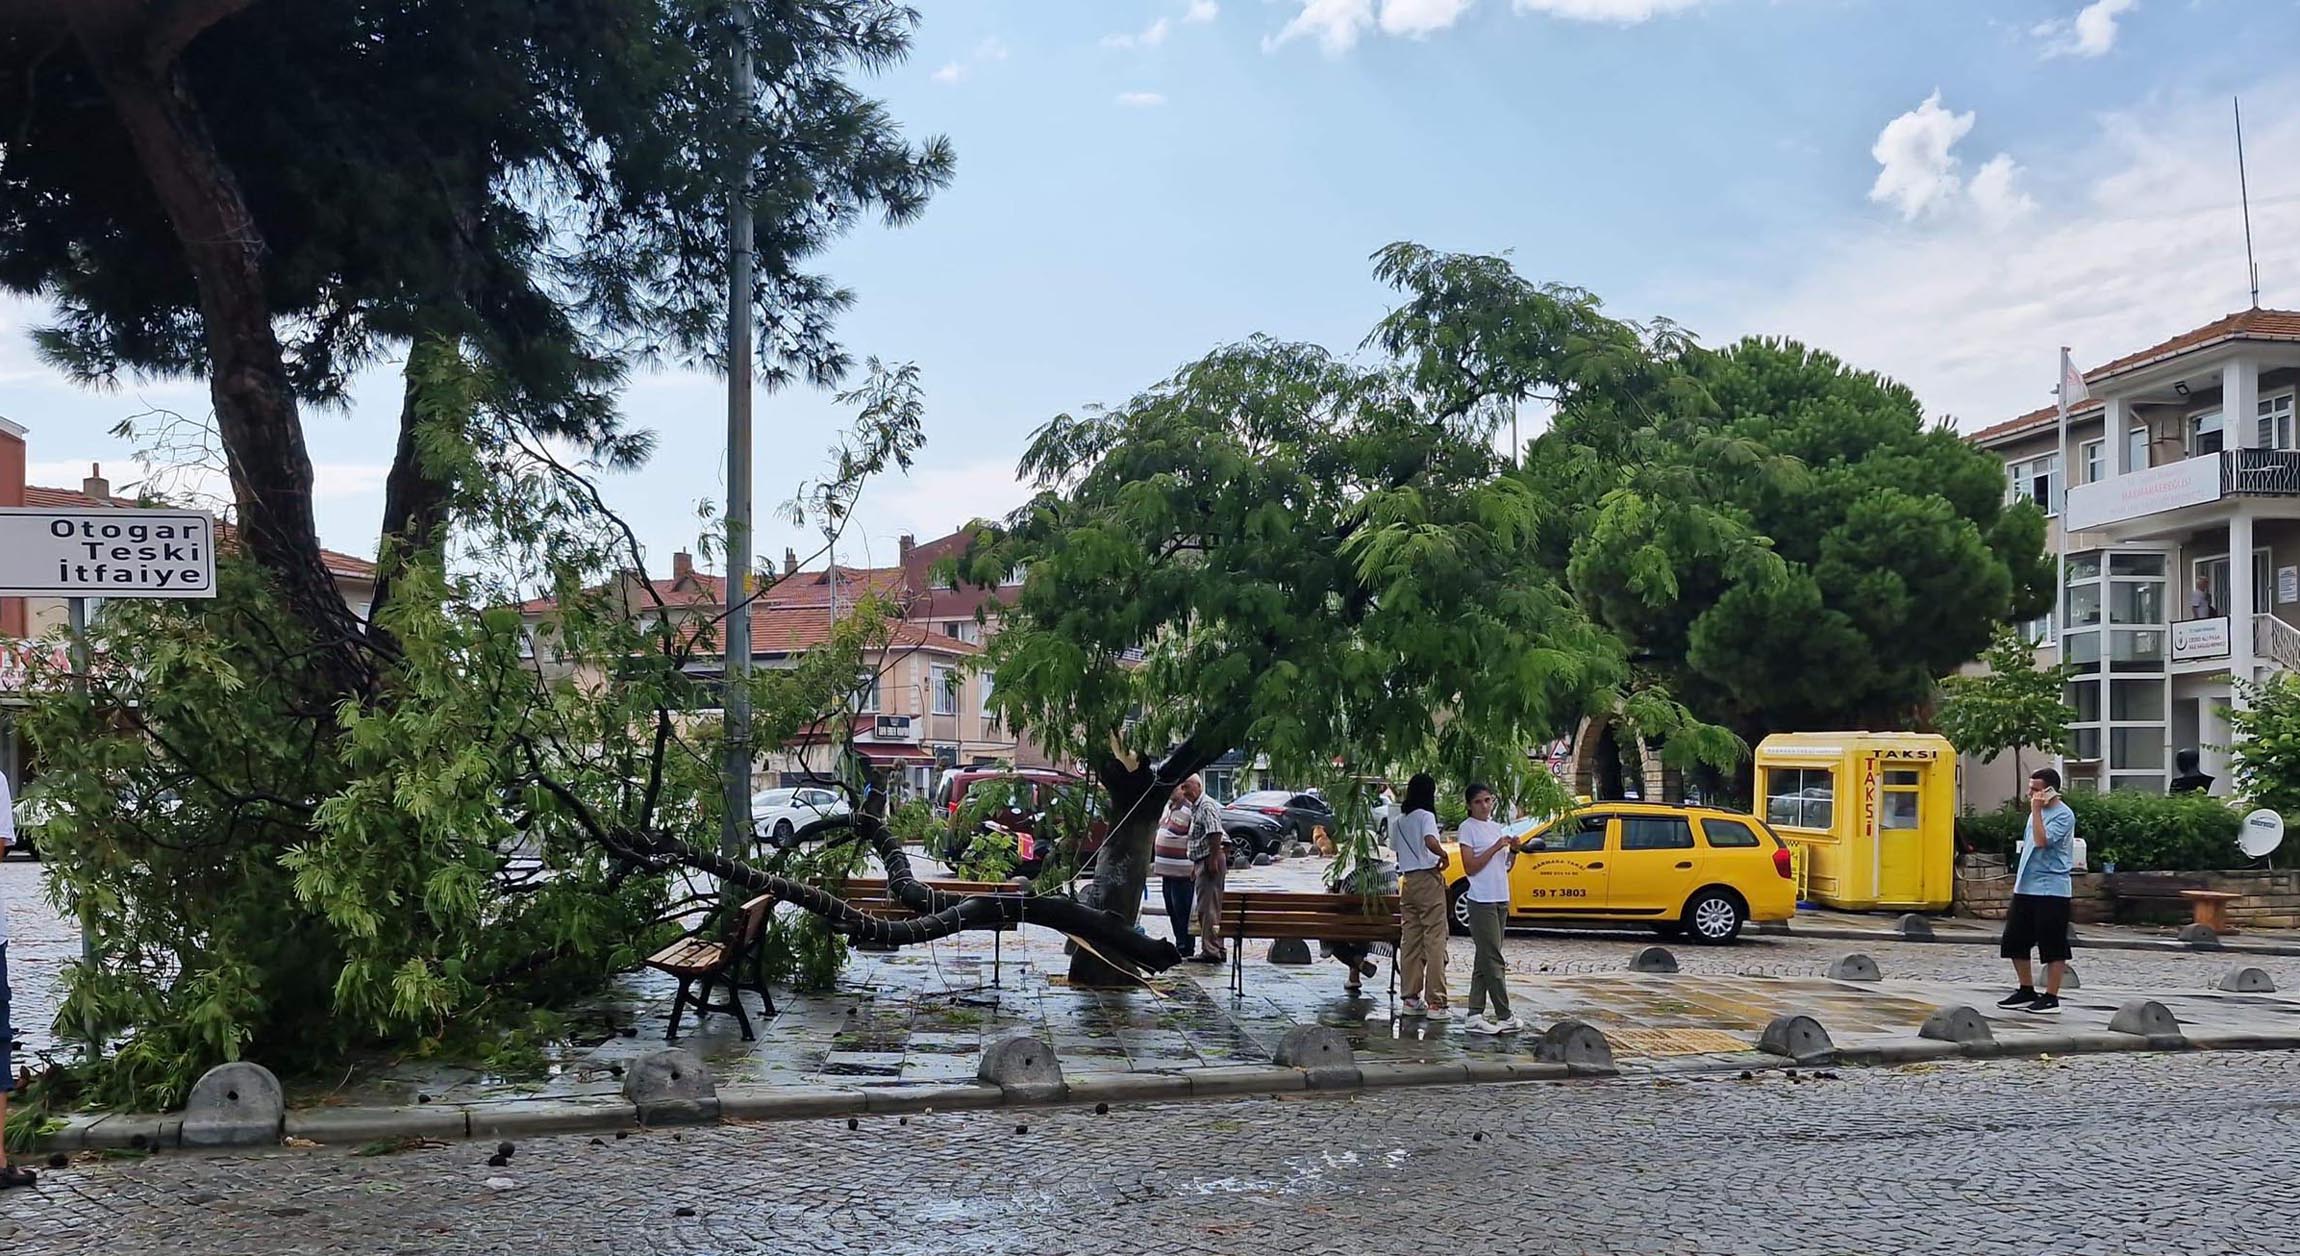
x,y
2226,946
349,1127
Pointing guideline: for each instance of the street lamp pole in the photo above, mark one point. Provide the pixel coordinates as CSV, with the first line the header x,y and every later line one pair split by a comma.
x,y
735,828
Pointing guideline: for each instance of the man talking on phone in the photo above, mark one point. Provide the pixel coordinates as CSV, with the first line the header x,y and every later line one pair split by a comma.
x,y
2038,920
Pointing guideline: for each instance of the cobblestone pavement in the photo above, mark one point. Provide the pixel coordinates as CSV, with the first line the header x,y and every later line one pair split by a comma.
x,y
2075,1156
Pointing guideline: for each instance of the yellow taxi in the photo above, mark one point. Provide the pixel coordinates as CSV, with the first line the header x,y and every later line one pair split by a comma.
x,y
1696,871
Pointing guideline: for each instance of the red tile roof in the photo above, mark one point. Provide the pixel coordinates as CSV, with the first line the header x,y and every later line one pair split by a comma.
x,y
791,629
2253,324
338,564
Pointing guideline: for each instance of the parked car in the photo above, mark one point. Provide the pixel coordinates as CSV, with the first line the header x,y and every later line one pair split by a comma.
x,y
1254,833
1033,798
777,815
1302,814
1696,871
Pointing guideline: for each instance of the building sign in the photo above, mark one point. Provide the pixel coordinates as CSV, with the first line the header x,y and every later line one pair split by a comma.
x,y
16,660
2189,482
2200,639
2287,585
891,728
119,552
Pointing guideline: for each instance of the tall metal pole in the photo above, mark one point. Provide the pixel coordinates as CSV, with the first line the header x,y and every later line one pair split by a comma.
x,y
2244,188
735,831
78,608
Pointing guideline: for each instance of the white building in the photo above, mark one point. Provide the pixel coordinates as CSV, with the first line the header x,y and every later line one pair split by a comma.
x,y
2179,490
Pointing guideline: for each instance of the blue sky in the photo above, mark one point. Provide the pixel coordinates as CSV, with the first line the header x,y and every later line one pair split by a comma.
x,y
1945,190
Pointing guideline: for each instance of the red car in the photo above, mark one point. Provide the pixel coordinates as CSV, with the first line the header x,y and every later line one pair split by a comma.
x,y
1034,796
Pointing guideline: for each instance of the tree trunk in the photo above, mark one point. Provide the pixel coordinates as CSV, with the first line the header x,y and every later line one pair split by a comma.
x,y
415,499
256,413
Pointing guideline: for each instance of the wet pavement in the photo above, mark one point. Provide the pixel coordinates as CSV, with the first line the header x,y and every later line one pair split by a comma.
x,y
923,1015
2095,1156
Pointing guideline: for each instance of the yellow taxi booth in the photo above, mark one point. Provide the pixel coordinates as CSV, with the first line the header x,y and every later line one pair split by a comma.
x,y
1871,815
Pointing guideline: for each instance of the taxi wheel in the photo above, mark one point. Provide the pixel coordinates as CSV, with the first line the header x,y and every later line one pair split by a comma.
x,y
1457,909
1714,918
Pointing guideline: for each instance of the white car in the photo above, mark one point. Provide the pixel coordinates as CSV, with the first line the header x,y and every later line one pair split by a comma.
x,y
778,814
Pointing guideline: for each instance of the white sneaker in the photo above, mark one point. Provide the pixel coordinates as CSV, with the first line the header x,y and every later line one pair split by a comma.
x,y
1415,1007
1511,1026
1480,1025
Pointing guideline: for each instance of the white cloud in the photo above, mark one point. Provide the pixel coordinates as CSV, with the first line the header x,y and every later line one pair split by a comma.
x,y
1624,12
951,73
2143,242
1335,24
1141,100
1997,193
2091,33
990,49
1917,172
1418,18
1201,11
1149,37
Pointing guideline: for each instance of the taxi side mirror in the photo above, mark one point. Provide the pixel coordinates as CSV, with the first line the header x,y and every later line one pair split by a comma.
x,y
1533,845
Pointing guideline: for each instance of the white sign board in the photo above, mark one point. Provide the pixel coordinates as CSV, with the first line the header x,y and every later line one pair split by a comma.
x,y
2189,482
2200,639
118,552
2287,585
891,728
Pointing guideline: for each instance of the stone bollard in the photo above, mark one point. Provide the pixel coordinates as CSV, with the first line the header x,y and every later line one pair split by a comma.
x,y
671,1087
1914,927
2246,981
1800,1038
1577,1044
1290,951
1322,1052
2146,1018
1854,967
2069,979
234,1105
1653,959
2200,936
1956,1024
1024,1067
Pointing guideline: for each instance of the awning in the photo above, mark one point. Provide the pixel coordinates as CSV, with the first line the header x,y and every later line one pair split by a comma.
x,y
896,756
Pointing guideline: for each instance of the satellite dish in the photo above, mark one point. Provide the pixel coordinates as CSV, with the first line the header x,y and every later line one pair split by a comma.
x,y
2262,833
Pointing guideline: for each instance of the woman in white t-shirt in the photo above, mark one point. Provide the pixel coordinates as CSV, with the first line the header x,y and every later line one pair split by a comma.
x,y
1485,858
1422,928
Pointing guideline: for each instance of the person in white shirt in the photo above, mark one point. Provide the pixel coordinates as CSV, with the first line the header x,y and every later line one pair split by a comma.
x,y
1421,862
10,1175
1486,853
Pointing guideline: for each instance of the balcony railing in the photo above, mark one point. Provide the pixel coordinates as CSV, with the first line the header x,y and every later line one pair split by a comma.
x,y
2197,481
2274,641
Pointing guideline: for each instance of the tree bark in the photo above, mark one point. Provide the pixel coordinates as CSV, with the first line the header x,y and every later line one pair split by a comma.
x,y
415,500
256,412
1122,869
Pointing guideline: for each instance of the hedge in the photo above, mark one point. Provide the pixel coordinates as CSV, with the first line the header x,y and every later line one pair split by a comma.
x,y
2136,832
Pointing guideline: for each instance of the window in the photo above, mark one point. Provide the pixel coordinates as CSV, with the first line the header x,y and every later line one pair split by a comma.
x,y
2204,433
1587,835
867,695
527,644
1729,834
2035,480
2095,460
945,683
1019,573
989,714
1656,833
2038,631
2136,449
1899,809
1801,798
2276,421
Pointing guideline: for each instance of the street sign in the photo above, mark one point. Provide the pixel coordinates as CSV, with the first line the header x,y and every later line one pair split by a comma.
x,y
125,551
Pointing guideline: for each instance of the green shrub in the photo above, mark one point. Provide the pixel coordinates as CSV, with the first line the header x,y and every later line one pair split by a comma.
x,y
2136,832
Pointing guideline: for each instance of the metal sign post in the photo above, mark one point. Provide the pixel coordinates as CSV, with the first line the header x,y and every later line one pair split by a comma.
x,y
104,552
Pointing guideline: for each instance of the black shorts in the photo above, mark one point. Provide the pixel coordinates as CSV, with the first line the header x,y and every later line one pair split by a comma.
x,y
2037,922
7,1035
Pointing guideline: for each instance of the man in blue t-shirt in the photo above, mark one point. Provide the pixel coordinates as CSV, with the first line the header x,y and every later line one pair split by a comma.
x,y
2038,920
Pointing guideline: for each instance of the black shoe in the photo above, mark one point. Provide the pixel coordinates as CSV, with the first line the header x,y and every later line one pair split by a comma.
x,y
2045,1005
2020,998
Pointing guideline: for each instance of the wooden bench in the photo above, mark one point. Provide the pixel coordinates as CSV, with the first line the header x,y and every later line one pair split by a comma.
x,y
695,958
2139,898
869,896
1311,917
2212,908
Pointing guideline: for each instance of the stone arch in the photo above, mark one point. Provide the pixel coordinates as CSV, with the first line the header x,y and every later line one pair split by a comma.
x,y
1598,740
